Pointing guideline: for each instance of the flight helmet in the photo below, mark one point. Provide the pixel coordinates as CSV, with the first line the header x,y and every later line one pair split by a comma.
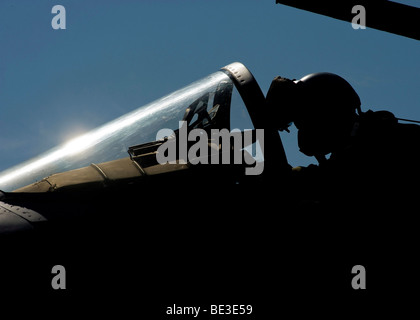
x,y
326,112
323,106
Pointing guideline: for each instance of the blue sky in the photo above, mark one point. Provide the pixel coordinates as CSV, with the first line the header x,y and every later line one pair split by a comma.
x,y
115,56
413,3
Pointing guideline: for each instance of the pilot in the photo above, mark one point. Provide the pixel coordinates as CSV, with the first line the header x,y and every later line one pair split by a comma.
x,y
372,156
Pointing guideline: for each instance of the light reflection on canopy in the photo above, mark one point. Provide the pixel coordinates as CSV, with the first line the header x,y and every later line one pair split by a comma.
x,y
111,141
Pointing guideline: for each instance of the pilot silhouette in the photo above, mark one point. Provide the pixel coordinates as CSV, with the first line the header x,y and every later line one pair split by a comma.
x,y
373,156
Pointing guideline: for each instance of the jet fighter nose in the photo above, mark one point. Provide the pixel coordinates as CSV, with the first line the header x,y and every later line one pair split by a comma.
x,y
16,218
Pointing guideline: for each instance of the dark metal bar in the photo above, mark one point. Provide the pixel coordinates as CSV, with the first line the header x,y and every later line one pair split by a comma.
x,y
382,15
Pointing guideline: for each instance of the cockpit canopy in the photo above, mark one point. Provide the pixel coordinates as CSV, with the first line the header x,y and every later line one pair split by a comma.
x,y
204,104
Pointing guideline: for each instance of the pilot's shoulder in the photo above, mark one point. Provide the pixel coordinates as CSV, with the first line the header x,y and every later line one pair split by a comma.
x,y
379,118
409,131
385,121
